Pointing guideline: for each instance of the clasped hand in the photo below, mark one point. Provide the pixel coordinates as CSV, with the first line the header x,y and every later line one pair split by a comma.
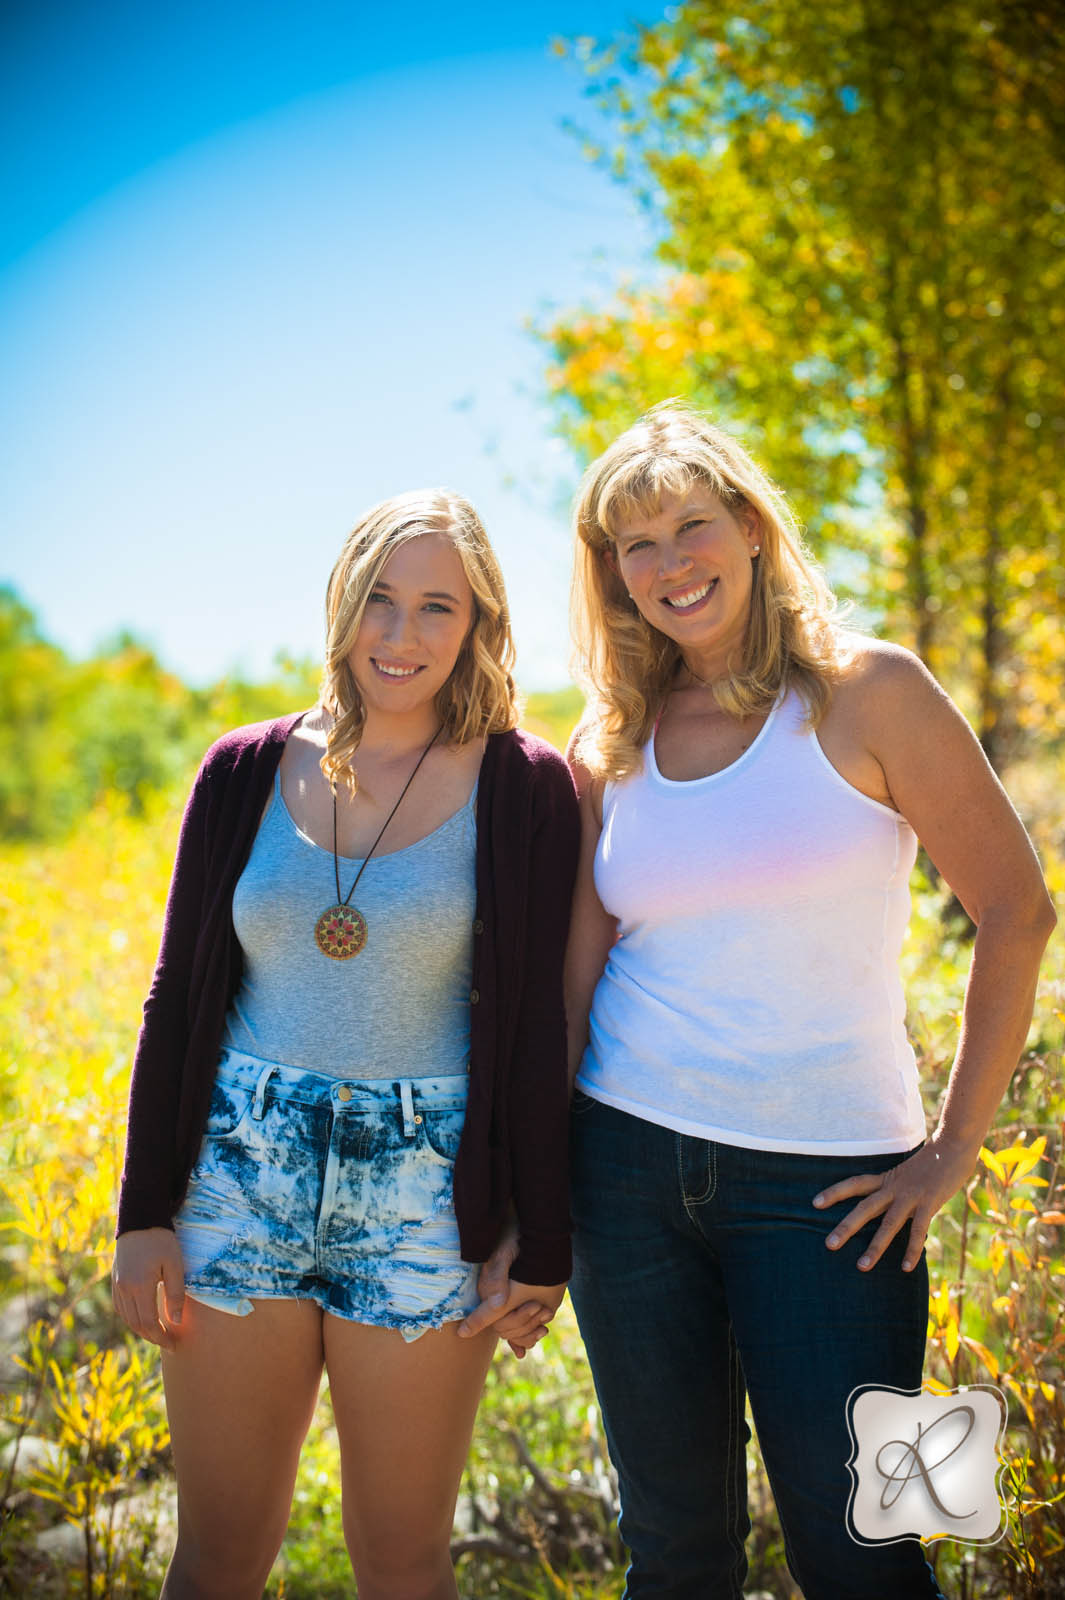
x,y
518,1312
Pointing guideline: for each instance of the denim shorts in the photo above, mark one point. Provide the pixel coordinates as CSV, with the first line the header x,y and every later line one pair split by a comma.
x,y
310,1187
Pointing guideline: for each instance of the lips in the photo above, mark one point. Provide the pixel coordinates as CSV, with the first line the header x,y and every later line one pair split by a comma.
x,y
397,670
688,599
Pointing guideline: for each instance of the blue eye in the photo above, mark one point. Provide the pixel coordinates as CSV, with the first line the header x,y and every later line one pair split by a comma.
x,y
377,598
436,605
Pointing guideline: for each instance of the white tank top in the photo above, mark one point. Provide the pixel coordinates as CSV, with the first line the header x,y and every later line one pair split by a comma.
x,y
753,996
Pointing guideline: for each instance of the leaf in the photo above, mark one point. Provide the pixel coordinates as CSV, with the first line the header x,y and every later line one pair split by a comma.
x,y
986,1356
951,1339
992,1163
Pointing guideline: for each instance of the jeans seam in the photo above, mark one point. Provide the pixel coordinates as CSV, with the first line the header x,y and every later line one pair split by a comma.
x,y
711,1174
737,1465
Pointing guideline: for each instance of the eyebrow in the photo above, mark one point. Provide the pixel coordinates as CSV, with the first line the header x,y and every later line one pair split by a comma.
x,y
686,515
427,594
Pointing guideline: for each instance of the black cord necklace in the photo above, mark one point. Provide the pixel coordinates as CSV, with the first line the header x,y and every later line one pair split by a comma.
x,y
341,931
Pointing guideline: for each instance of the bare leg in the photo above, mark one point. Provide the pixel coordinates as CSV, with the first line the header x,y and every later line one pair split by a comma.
x,y
240,1395
404,1414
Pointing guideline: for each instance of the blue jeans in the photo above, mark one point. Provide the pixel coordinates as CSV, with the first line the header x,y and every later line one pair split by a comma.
x,y
701,1275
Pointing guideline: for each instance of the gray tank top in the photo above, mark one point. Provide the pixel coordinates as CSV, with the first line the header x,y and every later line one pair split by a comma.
x,y
398,1008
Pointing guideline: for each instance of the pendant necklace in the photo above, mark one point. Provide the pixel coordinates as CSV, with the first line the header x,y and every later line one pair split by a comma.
x,y
341,932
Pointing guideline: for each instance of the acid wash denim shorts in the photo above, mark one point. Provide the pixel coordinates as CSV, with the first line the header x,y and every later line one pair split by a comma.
x,y
310,1187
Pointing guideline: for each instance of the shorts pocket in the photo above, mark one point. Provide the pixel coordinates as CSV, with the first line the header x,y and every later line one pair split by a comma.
x,y
443,1130
230,1104
582,1103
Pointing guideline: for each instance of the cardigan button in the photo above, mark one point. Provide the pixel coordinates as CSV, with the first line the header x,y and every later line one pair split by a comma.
x,y
478,926
344,1093
475,995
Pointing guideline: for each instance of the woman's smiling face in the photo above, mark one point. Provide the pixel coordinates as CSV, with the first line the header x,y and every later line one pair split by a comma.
x,y
415,623
688,567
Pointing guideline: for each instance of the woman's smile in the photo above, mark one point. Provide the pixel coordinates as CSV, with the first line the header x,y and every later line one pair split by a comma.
x,y
688,599
687,566
423,603
395,669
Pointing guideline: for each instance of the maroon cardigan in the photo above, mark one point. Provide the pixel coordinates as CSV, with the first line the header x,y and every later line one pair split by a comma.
x,y
513,1154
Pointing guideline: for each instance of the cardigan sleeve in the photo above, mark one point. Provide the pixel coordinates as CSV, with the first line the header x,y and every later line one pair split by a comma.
x,y
538,1118
155,1089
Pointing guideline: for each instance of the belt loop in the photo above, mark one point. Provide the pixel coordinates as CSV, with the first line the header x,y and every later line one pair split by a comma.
x,y
258,1102
406,1100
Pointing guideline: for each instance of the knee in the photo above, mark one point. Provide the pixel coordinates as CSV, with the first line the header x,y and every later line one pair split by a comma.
x,y
407,1567
233,1570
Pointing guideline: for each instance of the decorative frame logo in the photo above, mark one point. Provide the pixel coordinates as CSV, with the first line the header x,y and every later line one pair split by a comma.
x,y
925,1464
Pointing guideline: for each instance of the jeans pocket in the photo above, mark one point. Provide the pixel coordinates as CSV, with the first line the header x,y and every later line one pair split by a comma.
x,y
443,1130
230,1104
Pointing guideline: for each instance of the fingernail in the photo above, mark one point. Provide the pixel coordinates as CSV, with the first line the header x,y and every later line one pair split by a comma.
x,y
819,1199
833,1241
863,1262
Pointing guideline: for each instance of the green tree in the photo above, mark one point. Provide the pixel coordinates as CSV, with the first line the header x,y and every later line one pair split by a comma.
x,y
862,216
119,722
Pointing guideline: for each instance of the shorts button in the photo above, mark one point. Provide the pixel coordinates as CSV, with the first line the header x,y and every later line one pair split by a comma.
x,y
478,926
475,995
417,1116
344,1093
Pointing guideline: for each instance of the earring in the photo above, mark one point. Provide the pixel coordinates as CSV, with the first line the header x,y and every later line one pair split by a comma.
x,y
755,549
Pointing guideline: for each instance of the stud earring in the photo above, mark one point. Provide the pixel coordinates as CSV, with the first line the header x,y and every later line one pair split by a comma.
x,y
755,549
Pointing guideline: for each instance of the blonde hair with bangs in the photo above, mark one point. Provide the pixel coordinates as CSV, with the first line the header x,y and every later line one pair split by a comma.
x,y
623,663
479,697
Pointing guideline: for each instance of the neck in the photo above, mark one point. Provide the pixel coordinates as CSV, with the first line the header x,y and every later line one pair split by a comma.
x,y
399,735
703,671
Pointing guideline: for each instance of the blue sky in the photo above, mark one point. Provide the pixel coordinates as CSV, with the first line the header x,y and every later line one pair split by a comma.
x,y
266,264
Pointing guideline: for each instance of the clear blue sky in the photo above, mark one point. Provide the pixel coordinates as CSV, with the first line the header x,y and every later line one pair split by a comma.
x,y
265,263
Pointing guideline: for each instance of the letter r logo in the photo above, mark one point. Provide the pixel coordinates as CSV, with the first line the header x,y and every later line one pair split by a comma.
x,y
925,1463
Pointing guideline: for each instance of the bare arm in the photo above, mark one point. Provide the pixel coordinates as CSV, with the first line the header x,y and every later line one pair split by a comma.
x,y
938,778
593,932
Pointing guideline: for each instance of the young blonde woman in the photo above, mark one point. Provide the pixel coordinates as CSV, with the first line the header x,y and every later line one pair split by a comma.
x,y
350,1084
752,1181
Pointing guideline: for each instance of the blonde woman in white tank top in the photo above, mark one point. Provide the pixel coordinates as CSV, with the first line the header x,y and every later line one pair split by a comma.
x,y
752,1180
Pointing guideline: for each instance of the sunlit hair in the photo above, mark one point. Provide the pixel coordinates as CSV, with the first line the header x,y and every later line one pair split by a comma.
x,y
624,664
479,697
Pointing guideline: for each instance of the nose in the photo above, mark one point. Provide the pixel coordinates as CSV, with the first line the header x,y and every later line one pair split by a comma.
x,y
400,628
673,560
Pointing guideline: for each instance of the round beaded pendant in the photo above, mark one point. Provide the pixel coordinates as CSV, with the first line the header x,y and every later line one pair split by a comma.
x,y
340,932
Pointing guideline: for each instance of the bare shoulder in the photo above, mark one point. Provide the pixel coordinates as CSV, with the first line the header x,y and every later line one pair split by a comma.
x,y
879,682
877,666
589,787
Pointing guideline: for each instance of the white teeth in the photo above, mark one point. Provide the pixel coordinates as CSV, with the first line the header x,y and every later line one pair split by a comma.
x,y
396,672
680,601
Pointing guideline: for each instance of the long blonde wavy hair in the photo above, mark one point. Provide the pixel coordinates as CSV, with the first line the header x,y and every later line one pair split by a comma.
x,y
479,697
623,663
